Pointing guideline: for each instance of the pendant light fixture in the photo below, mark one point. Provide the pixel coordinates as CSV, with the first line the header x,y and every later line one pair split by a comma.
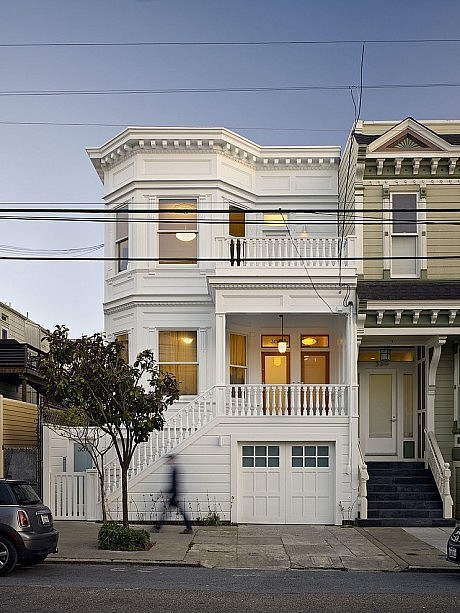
x,y
282,343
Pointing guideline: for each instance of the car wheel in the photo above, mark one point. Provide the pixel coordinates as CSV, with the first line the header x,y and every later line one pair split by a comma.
x,y
8,556
34,560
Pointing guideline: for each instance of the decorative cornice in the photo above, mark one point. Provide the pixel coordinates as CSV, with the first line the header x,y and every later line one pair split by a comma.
x,y
128,306
421,182
220,141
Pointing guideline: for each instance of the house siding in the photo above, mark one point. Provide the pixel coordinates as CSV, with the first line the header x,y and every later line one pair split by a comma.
x,y
443,236
19,423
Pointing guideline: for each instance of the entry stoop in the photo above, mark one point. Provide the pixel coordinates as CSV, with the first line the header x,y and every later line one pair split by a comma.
x,y
402,494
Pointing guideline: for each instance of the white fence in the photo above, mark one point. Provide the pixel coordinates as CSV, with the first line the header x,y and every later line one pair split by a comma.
x,y
68,495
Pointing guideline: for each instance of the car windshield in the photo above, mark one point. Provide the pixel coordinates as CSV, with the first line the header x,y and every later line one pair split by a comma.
x,y
25,493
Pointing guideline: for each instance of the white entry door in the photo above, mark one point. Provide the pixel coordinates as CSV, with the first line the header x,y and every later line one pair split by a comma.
x,y
387,410
286,483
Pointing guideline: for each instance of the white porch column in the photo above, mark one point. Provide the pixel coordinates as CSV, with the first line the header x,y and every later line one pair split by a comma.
x,y
431,388
221,351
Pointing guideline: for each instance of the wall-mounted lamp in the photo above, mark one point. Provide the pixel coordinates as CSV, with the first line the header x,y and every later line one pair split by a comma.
x,y
385,355
282,342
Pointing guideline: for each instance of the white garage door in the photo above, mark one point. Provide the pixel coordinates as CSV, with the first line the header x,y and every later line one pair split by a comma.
x,y
286,483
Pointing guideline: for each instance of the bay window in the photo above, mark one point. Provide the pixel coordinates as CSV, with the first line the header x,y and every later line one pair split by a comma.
x,y
177,350
177,231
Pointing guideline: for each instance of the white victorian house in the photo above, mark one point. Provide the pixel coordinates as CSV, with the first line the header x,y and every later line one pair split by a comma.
x,y
224,258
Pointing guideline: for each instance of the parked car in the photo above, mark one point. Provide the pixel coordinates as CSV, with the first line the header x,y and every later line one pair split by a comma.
x,y
27,534
453,546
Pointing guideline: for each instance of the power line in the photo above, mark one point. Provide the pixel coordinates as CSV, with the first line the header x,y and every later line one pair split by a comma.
x,y
213,90
194,260
220,43
123,125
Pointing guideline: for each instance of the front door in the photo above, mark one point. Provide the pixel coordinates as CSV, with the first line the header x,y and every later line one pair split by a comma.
x,y
386,411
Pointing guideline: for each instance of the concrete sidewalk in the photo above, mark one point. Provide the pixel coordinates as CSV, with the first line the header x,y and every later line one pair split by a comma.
x,y
269,547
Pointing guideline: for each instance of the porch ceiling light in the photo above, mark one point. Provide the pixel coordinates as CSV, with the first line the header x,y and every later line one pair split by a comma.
x,y
309,341
282,343
185,237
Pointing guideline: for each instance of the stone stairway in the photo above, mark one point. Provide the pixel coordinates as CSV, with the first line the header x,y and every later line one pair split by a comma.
x,y
402,494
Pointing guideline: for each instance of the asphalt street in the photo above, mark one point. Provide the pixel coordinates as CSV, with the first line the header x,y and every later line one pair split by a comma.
x,y
85,587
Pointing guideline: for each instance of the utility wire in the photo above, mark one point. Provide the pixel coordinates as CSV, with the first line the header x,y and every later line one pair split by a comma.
x,y
230,43
214,90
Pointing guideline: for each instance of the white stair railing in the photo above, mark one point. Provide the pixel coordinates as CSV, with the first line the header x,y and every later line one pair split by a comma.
x,y
185,422
363,478
441,472
239,401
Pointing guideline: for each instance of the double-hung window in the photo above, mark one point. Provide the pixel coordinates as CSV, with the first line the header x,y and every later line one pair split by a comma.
x,y
121,237
178,355
177,231
404,235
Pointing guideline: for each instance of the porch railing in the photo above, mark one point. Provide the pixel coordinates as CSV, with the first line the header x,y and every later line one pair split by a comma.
x,y
251,400
363,478
441,472
296,399
283,252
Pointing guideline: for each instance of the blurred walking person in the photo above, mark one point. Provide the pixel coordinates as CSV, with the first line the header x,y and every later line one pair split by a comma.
x,y
173,497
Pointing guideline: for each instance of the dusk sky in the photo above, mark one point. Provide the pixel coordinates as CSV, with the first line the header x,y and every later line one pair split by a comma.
x,y
45,130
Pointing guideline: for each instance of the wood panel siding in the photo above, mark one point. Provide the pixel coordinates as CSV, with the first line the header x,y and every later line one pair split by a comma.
x,y
443,236
19,423
372,234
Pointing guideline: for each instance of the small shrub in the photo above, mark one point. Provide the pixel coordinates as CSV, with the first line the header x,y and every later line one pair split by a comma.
x,y
118,538
212,519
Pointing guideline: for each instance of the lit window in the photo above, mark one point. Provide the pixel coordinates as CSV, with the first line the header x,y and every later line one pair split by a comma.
x,y
177,231
236,221
124,347
178,355
237,359
121,238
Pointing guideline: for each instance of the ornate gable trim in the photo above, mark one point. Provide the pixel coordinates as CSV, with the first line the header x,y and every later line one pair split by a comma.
x,y
409,135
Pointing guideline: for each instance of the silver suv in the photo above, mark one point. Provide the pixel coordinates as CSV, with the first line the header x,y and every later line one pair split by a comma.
x,y
27,535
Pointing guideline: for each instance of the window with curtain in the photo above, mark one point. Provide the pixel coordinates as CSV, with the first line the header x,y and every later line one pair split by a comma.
x,y
121,237
238,364
124,349
177,231
178,355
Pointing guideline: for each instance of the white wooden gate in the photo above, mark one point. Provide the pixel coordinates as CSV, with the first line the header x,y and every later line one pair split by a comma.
x,y
68,495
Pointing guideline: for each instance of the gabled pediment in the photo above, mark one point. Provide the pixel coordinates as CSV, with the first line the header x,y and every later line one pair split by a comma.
x,y
409,135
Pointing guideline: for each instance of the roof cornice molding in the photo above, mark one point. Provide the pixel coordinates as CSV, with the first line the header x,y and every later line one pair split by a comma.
x,y
208,140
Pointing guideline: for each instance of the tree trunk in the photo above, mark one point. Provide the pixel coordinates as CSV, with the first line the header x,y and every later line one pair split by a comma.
x,y
124,494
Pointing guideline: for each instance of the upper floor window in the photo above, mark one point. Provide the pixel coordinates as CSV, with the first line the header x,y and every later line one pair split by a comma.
x,y
124,346
404,235
236,221
177,231
4,333
178,355
121,237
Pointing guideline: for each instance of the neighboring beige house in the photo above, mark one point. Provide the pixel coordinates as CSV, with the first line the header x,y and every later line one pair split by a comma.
x,y
400,196
21,343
